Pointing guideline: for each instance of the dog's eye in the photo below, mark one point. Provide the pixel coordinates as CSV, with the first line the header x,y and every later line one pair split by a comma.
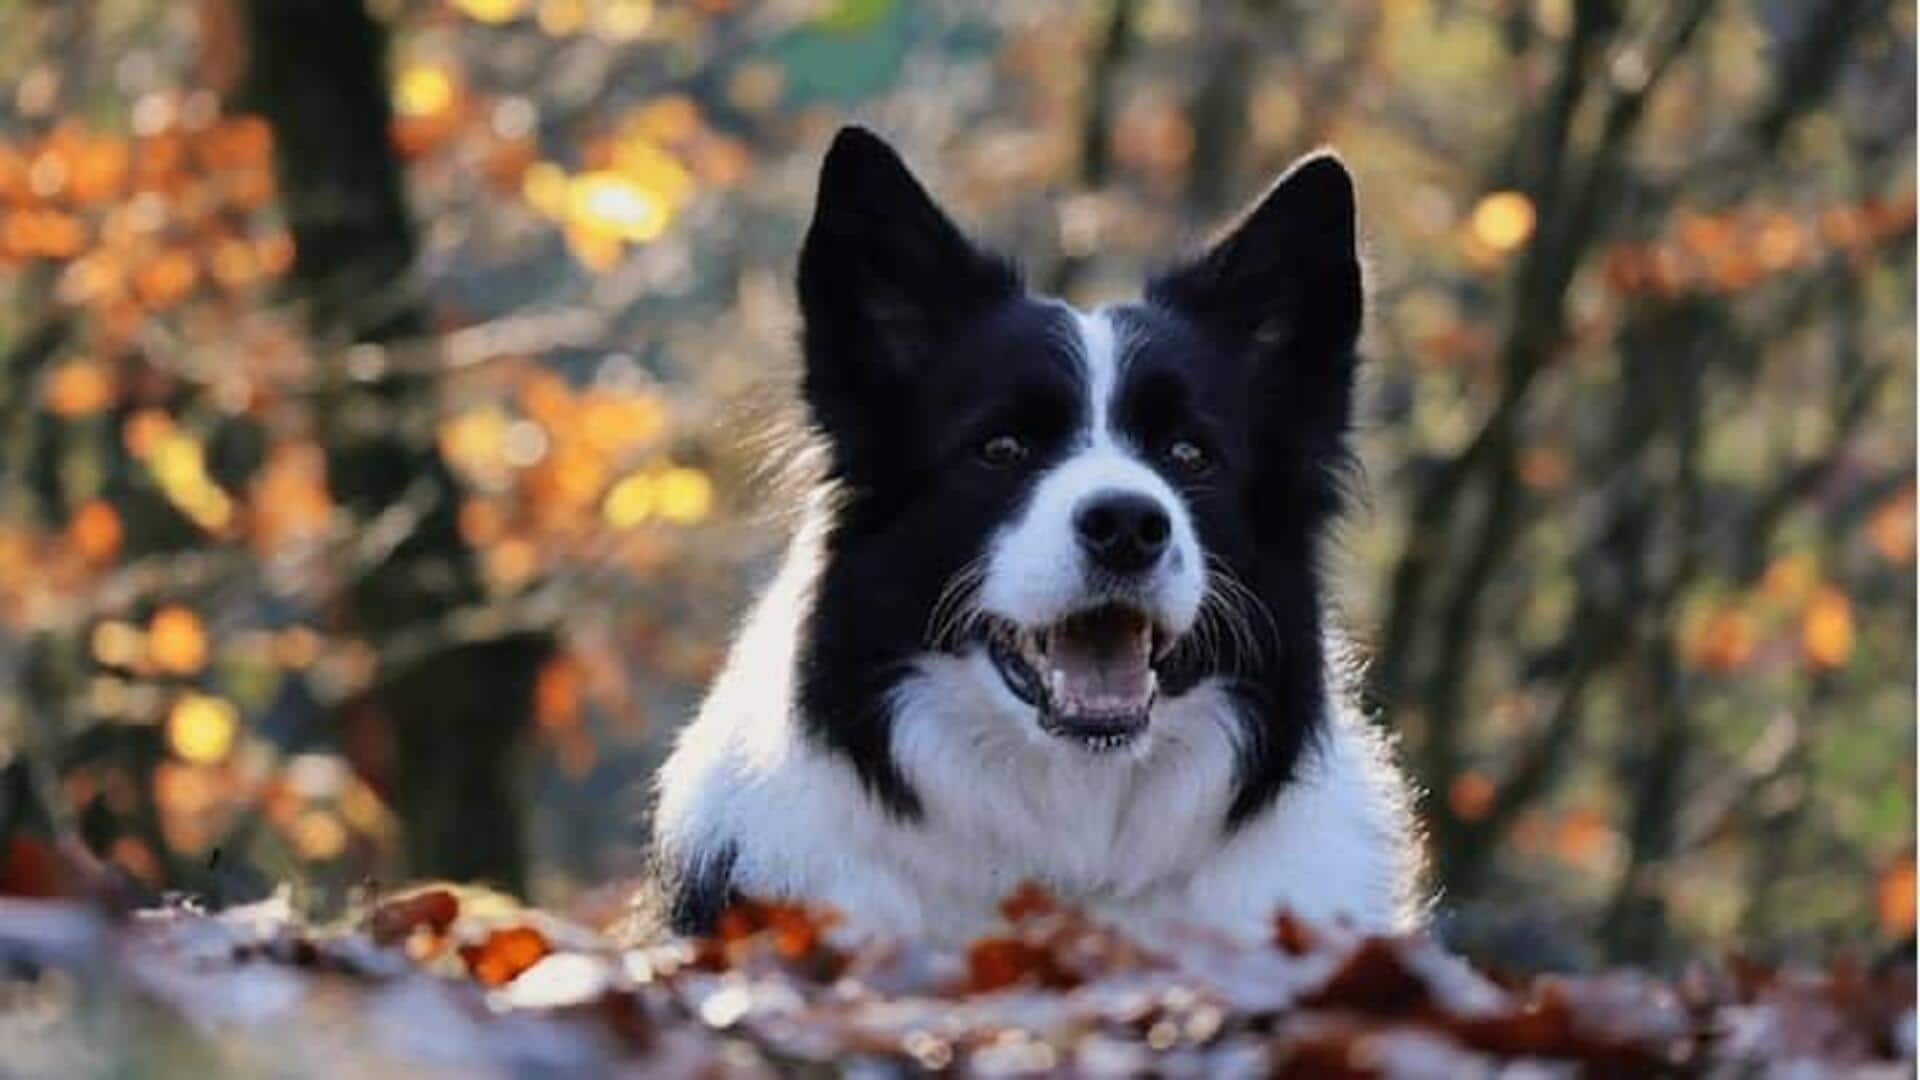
x,y
1003,450
1188,457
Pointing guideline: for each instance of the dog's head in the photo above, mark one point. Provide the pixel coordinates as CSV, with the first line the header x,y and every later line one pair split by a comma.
x,y
1097,510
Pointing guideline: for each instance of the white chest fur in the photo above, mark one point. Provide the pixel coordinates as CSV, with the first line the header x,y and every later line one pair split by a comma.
x,y
1135,836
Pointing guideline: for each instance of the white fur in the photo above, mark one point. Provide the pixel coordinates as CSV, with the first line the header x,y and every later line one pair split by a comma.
x,y
1136,835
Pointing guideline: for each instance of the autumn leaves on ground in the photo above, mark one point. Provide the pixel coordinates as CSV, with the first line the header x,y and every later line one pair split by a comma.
x,y
457,980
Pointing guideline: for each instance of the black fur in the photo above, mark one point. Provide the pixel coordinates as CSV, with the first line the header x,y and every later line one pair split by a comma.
x,y
699,895
918,345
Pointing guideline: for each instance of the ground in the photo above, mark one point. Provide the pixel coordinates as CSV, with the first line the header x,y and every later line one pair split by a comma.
x,y
447,980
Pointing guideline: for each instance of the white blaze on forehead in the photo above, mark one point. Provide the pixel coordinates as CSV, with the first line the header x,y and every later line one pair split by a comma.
x,y
1100,359
1036,571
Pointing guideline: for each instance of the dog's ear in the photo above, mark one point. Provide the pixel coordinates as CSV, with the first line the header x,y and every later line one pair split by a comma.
x,y
1282,288
1285,279
883,274
1287,272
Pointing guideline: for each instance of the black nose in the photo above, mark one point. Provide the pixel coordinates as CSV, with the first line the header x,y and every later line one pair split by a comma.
x,y
1122,532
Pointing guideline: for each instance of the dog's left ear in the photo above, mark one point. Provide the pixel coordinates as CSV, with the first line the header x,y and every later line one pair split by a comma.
x,y
1284,284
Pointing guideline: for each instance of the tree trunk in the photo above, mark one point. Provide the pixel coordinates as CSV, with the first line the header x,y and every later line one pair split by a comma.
x,y
316,72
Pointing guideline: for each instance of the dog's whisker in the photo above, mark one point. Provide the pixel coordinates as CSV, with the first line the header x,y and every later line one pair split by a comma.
x,y
1245,600
955,610
1228,613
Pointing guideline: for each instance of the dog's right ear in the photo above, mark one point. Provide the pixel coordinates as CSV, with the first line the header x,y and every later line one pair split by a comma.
x,y
883,274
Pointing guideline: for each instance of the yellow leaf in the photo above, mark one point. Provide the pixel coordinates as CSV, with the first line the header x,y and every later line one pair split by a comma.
x,y
623,20
597,251
562,17
684,495
611,204
629,502
178,465
654,170
489,11
1503,220
201,729
475,440
424,90
544,186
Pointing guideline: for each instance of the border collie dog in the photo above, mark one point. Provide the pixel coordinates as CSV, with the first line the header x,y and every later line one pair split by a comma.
x,y
1053,615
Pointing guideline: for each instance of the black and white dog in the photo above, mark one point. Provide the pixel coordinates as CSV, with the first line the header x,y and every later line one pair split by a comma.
x,y
1054,614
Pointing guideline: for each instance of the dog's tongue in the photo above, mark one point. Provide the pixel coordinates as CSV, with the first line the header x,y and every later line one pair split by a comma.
x,y
1102,663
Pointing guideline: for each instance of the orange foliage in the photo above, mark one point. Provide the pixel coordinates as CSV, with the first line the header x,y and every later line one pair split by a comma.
x,y
1894,898
1581,836
98,169
481,522
1790,578
1826,629
166,279
512,563
556,693
177,641
42,234
121,210
1891,528
1721,642
503,954
95,532
1740,247
77,388
289,499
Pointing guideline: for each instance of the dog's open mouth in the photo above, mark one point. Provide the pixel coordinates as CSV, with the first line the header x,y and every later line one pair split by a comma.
x,y
1091,675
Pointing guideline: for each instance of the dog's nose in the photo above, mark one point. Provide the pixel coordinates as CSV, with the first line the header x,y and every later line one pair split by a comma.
x,y
1123,532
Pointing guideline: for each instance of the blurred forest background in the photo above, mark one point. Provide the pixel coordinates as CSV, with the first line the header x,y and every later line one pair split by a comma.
x,y
378,384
